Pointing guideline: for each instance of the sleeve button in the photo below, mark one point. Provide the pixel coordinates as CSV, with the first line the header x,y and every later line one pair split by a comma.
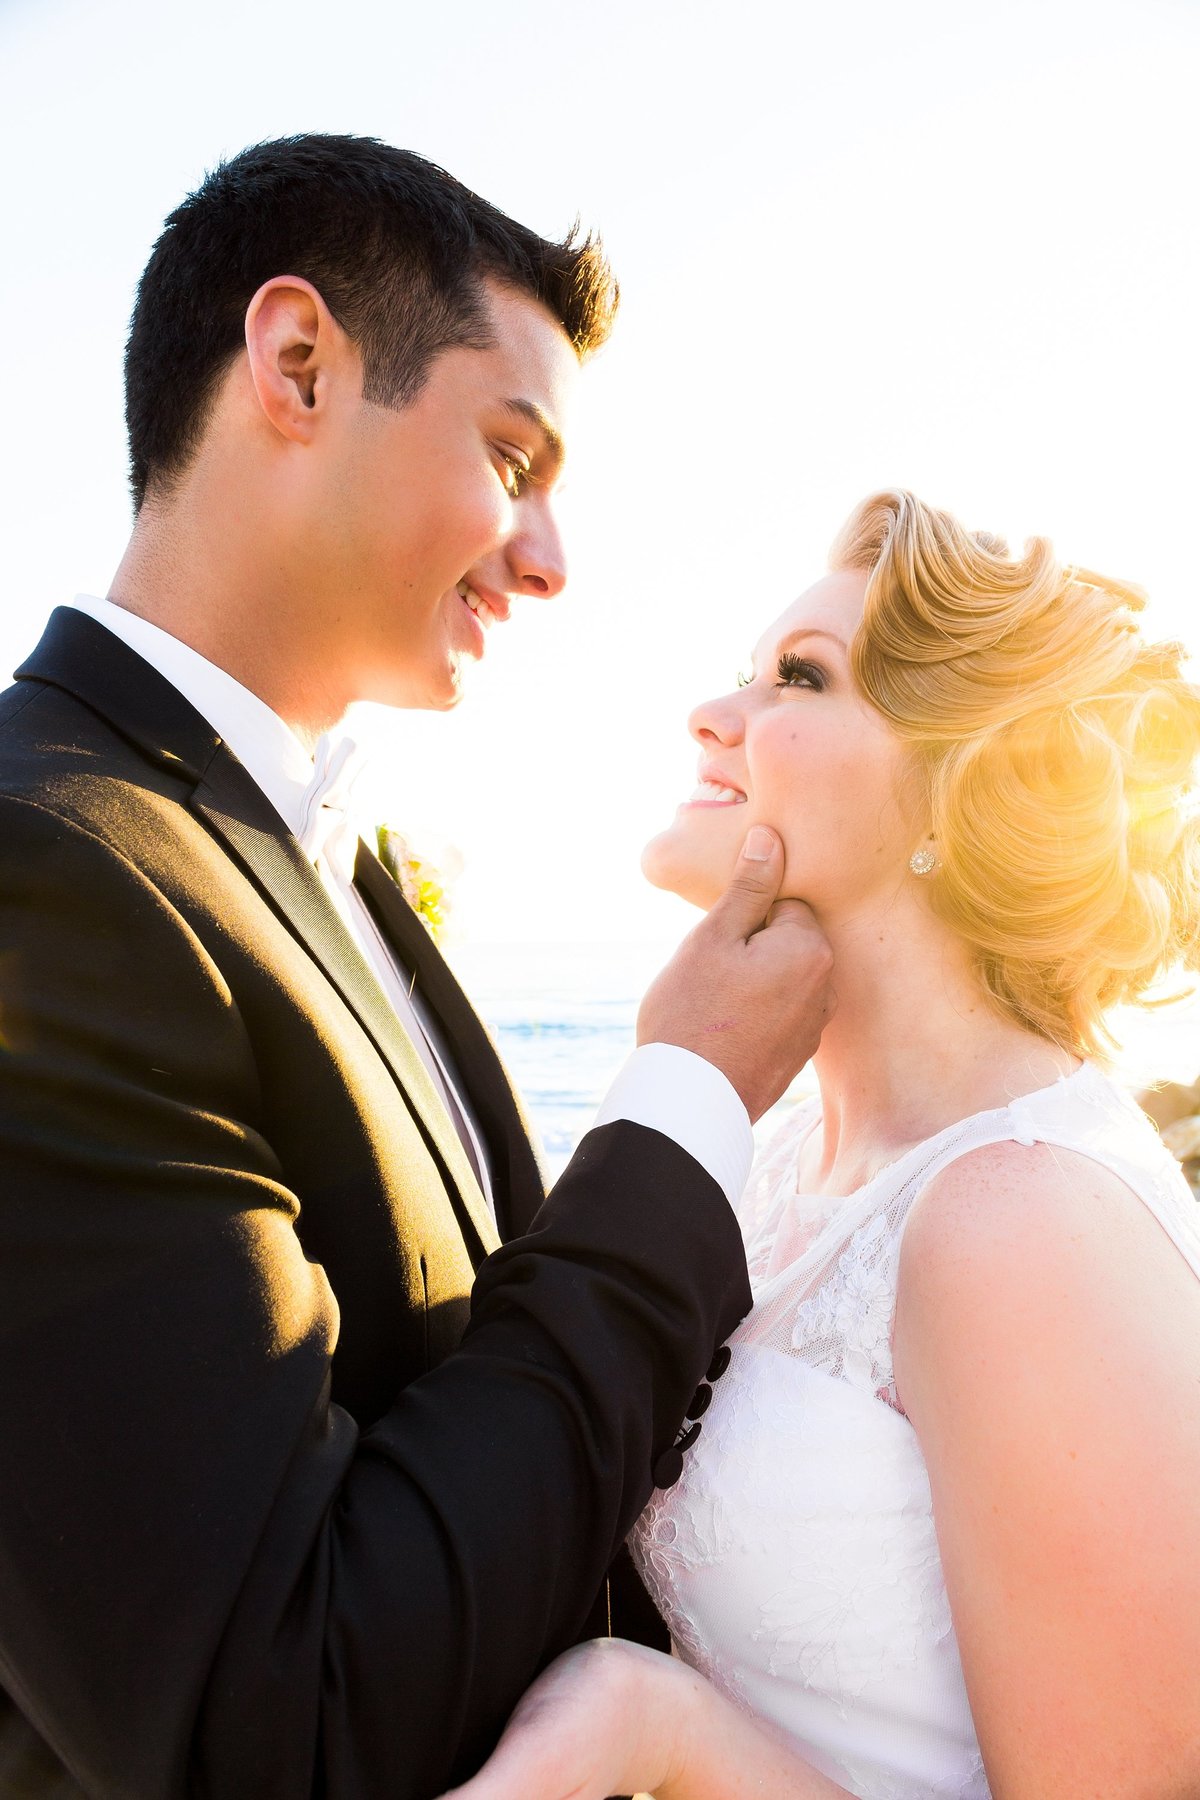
x,y
699,1402
668,1468
719,1363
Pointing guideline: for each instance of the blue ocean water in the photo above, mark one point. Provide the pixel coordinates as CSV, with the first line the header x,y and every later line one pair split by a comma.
x,y
564,1017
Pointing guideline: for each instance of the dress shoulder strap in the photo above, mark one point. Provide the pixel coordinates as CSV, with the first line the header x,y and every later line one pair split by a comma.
x,y
1091,1115
826,1289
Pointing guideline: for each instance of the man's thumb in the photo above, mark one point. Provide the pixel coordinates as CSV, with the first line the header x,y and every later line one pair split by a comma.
x,y
755,883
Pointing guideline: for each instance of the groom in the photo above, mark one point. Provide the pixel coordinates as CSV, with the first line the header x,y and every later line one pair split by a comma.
x,y
305,1476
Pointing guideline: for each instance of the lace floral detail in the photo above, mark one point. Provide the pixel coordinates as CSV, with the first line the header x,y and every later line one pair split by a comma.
x,y
873,1555
866,1779
765,1200
846,1326
654,1563
687,1529
871,1782
973,1782
796,1561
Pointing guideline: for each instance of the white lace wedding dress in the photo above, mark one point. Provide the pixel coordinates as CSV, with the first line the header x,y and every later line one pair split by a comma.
x,y
795,1560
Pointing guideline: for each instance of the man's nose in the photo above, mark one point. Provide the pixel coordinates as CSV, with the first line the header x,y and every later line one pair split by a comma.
x,y
537,561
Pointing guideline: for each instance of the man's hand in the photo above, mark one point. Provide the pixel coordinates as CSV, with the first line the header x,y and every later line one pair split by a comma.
x,y
748,989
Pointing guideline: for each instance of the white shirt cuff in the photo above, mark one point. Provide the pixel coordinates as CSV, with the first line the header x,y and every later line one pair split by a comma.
x,y
689,1100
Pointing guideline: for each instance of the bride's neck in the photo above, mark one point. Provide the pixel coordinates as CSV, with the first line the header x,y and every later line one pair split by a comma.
x,y
914,1044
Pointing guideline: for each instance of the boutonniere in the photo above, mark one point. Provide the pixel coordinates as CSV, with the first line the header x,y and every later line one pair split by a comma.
x,y
421,881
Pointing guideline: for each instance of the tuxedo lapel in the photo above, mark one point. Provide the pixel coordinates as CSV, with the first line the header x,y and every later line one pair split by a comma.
x,y
79,655
232,805
517,1178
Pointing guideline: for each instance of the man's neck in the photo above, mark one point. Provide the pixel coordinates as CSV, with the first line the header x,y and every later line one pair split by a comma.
x,y
190,582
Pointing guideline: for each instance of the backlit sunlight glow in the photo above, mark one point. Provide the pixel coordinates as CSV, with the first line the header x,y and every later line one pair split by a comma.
x,y
862,246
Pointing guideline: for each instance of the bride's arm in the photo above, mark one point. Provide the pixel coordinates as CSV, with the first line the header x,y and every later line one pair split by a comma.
x,y
1048,1354
611,1717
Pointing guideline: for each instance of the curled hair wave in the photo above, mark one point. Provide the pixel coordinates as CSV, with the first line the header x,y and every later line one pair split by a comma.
x,y
1056,751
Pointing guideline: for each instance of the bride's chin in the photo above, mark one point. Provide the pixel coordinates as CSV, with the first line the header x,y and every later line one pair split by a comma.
x,y
667,864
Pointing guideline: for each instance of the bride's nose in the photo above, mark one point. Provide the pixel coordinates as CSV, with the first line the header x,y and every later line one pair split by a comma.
x,y
718,721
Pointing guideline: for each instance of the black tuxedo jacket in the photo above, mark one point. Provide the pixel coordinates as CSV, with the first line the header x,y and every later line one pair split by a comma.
x,y
302,1476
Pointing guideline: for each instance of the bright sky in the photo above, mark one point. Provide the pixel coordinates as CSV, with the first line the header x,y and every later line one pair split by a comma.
x,y
942,245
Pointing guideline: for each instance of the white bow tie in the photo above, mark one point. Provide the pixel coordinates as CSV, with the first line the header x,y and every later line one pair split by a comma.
x,y
327,828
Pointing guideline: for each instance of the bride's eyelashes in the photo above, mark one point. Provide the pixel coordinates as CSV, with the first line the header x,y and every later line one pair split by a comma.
x,y
795,671
792,671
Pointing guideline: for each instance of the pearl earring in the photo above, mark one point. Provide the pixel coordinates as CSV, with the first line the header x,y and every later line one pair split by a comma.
x,y
922,862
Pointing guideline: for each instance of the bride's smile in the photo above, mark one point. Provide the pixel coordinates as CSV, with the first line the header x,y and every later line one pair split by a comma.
x,y
950,1470
798,747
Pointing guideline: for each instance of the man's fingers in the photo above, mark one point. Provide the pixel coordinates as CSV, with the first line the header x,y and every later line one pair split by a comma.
x,y
744,905
792,912
749,988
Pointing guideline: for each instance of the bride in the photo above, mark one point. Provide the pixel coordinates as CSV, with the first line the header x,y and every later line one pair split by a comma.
x,y
937,1530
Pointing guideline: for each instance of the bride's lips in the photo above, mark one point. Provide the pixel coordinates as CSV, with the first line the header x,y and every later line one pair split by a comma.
x,y
714,790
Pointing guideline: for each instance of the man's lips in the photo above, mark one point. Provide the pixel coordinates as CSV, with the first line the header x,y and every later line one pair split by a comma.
x,y
487,606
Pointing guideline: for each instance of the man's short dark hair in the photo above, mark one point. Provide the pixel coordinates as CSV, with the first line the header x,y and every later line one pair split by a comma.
x,y
396,247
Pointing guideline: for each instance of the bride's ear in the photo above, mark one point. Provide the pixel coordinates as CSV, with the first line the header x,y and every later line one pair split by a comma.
x,y
296,352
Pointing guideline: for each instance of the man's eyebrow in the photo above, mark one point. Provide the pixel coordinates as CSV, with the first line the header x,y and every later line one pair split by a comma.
x,y
529,409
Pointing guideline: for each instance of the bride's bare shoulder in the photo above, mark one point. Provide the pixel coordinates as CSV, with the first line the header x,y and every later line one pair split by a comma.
x,y
1016,1244
1047,1353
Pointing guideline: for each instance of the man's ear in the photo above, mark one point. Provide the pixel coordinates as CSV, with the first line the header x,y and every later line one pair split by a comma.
x,y
295,346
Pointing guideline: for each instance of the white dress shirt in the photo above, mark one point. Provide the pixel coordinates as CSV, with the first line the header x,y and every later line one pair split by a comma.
x,y
661,1086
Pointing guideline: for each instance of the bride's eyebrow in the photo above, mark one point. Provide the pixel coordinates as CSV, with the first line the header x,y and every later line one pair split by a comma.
x,y
807,631
795,637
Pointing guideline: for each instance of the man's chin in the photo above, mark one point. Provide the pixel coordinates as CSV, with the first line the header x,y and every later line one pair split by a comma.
x,y
446,699
412,691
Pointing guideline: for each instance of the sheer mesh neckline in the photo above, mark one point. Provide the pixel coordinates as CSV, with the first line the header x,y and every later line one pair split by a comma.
x,y
923,1146
796,1559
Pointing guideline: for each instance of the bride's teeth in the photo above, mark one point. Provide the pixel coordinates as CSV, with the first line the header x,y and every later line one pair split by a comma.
x,y
708,790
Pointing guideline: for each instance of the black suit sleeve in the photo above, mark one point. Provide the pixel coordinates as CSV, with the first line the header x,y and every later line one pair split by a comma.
x,y
213,1583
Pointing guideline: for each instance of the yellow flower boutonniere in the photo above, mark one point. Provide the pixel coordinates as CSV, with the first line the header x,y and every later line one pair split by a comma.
x,y
420,881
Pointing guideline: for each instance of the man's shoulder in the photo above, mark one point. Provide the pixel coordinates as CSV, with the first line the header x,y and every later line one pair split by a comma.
x,y
39,719
15,699
58,756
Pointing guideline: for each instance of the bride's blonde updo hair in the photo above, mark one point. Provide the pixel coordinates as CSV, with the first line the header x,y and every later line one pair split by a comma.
x,y
1056,754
